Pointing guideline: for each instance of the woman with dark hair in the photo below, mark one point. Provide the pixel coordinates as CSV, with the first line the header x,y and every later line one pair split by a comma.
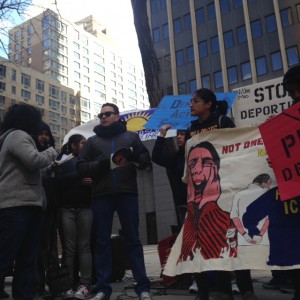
x,y
21,196
76,215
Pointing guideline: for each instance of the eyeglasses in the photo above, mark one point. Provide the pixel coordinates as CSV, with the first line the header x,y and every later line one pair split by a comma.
x,y
195,101
106,114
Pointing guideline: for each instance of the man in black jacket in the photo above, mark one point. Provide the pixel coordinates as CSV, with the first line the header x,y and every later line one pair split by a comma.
x,y
111,158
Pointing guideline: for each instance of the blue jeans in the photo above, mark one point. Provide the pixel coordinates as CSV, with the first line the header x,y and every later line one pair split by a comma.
x,y
127,208
77,227
20,232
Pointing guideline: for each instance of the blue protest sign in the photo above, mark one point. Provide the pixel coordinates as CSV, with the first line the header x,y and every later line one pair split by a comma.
x,y
175,111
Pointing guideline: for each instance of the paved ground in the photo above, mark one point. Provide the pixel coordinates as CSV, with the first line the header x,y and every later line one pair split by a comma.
x,y
124,291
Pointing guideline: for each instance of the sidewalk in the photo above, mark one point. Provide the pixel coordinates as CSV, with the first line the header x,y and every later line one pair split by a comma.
x,y
124,291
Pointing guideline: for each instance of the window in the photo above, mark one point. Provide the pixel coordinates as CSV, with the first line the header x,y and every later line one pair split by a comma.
x,y
224,5
187,22
179,58
13,90
256,29
25,79
190,54
203,51
246,70
286,17
193,85
155,34
232,75
53,104
218,79
182,88
261,65
271,23
13,75
39,85
63,121
85,60
39,99
72,99
241,34
25,94
2,86
163,4
2,102
298,11
205,80
177,25
165,31
54,117
214,43
200,17
76,46
211,12
63,97
2,71
53,91
292,55
154,6
276,61
228,39
237,3
85,103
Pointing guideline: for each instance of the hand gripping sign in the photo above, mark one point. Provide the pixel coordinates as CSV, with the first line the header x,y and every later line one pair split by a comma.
x,y
281,136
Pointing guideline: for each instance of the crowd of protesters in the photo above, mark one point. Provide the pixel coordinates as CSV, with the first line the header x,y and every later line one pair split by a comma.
x,y
77,191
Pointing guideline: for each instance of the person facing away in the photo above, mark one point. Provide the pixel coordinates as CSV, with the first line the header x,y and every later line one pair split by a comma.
x,y
76,215
173,161
21,196
48,252
115,189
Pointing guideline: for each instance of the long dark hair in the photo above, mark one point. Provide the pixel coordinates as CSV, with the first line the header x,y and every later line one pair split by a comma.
x,y
23,117
207,96
67,148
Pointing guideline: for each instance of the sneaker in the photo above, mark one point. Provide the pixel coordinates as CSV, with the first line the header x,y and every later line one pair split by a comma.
x,y
249,296
193,289
100,296
83,292
69,294
271,285
145,296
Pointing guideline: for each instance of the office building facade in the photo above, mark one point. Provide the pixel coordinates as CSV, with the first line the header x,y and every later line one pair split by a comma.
x,y
81,56
223,44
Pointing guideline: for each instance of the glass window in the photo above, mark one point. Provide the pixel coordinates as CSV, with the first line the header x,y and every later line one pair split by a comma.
x,y
2,71
261,65
190,54
292,55
2,102
214,43
286,17
163,4
228,39
179,58
182,88
276,61
193,85
177,25
298,11
271,23
211,12
155,34
218,79
232,75
165,31
246,70
2,86
187,22
205,80
154,6
224,5
203,51
237,3
25,79
40,86
241,34
39,99
200,17
256,29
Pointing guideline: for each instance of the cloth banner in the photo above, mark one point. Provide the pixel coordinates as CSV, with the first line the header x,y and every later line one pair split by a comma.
x,y
235,219
175,111
281,136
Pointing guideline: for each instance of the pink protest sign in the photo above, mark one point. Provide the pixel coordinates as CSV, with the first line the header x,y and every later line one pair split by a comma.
x,y
281,136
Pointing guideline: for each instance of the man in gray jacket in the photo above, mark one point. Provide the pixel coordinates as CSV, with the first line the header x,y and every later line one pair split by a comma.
x,y
21,196
115,189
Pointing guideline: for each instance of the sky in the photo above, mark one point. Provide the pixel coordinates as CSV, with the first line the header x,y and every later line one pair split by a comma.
x,y
116,14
